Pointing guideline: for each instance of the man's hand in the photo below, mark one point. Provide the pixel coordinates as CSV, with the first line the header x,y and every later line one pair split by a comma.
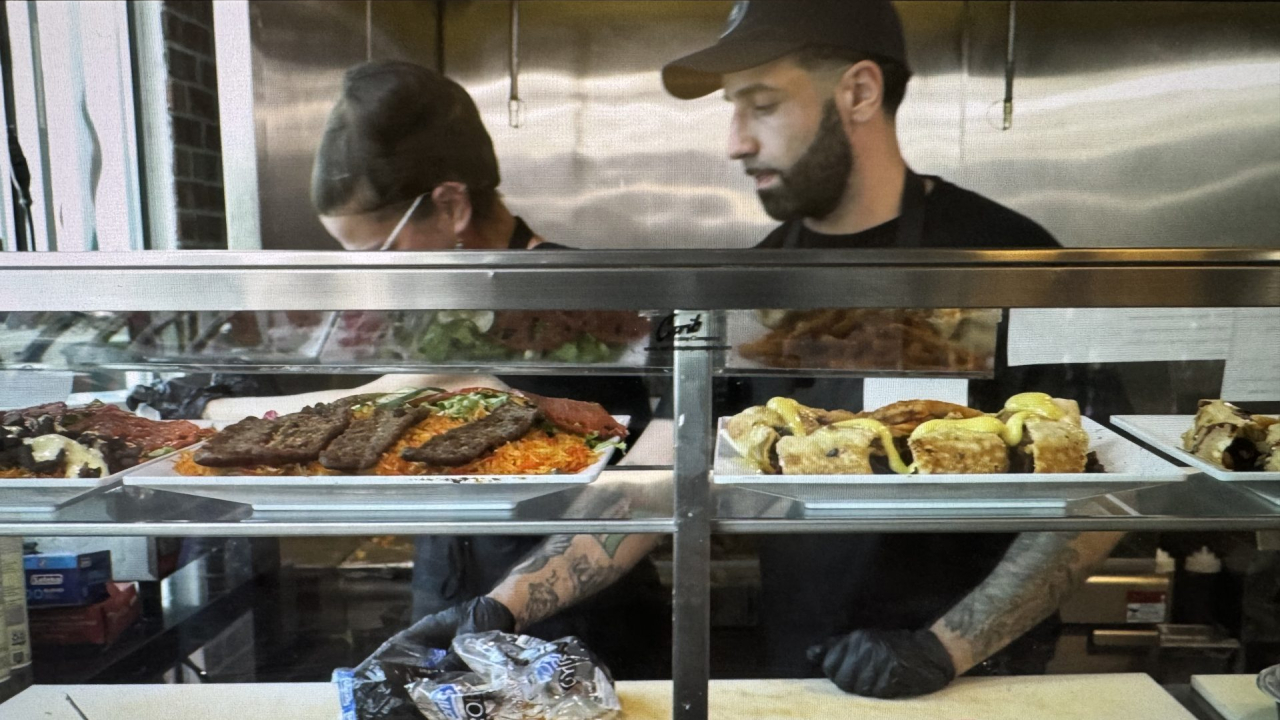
x,y
437,631
887,663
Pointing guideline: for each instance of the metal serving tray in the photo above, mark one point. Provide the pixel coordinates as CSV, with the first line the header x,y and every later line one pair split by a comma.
x,y
45,495
1128,467
367,492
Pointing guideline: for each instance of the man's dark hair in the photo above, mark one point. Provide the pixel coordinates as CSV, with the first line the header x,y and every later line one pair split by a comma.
x,y
896,75
398,131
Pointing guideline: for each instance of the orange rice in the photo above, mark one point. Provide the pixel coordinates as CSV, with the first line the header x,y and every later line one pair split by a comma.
x,y
537,453
15,473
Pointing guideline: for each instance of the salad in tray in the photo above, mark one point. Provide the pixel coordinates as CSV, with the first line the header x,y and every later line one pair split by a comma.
x,y
482,335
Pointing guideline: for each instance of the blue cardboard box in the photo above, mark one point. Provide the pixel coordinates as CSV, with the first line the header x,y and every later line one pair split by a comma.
x,y
67,579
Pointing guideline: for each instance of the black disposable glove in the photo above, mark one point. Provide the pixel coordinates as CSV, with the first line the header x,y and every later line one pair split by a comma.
x,y
420,652
886,663
438,630
185,397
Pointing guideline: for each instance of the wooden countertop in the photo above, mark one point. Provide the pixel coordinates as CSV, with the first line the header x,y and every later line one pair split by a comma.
x,y
1065,697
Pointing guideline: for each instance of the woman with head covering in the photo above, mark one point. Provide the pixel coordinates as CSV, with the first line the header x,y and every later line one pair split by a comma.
x,y
406,163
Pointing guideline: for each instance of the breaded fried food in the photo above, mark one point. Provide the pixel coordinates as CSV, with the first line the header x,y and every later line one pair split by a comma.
x,y
1226,435
827,451
1055,446
757,448
740,426
960,452
905,416
1272,442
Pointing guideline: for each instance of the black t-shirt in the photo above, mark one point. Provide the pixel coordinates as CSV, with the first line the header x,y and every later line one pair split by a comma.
x,y
816,586
953,218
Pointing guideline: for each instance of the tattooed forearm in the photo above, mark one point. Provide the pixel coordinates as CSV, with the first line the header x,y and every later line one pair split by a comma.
x,y
1037,572
554,547
543,600
590,576
566,569
610,543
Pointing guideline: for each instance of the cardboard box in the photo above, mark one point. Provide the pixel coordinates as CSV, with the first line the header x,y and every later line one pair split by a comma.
x,y
13,586
65,579
98,624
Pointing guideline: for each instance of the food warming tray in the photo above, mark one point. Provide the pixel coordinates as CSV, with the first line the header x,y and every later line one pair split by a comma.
x,y
1128,467
381,493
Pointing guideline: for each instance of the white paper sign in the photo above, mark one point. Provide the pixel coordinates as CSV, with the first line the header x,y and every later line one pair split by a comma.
x,y
878,392
1084,335
1253,360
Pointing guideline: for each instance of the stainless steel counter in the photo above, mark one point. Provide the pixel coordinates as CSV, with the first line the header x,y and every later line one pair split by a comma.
x,y
1198,503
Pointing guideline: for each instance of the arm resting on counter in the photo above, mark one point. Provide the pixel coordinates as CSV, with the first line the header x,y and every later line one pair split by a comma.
x,y
1037,573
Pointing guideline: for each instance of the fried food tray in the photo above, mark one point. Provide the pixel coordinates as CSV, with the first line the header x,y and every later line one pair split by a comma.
x,y
379,493
745,327
1128,467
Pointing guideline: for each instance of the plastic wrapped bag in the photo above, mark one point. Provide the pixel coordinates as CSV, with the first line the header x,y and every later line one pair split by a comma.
x,y
376,689
514,677
466,696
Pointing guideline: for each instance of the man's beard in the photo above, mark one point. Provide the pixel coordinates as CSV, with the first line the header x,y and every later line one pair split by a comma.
x,y
815,184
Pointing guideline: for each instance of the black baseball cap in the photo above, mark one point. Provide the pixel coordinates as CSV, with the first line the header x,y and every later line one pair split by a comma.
x,y
398,131
761,31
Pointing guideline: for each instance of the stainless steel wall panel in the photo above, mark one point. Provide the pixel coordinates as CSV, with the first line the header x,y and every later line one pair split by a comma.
x,y
1135,123
300,50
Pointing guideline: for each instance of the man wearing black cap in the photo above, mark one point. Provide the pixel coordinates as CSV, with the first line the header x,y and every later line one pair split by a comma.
x,y
815,85
815,88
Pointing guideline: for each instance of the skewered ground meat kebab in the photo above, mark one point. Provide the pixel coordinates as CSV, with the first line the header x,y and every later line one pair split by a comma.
x,y
294,438
508,422
367,438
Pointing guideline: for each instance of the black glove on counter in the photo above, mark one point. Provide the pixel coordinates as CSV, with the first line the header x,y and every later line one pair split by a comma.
x,y
886,663
438,630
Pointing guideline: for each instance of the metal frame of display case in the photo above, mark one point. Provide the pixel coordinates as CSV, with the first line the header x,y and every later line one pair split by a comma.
x,y
646,280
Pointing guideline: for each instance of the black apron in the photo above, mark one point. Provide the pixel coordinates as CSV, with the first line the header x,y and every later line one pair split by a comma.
x,y
817,586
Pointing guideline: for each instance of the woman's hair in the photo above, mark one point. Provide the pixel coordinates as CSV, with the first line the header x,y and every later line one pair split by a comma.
x,y
398,131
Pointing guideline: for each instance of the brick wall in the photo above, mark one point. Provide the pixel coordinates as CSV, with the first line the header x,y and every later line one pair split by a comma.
x,y
193,107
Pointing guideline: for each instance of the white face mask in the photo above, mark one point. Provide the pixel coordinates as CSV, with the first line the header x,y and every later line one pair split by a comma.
x,y
386,244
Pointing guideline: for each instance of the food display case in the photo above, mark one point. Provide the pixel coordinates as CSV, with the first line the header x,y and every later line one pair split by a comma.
x,y
686,306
